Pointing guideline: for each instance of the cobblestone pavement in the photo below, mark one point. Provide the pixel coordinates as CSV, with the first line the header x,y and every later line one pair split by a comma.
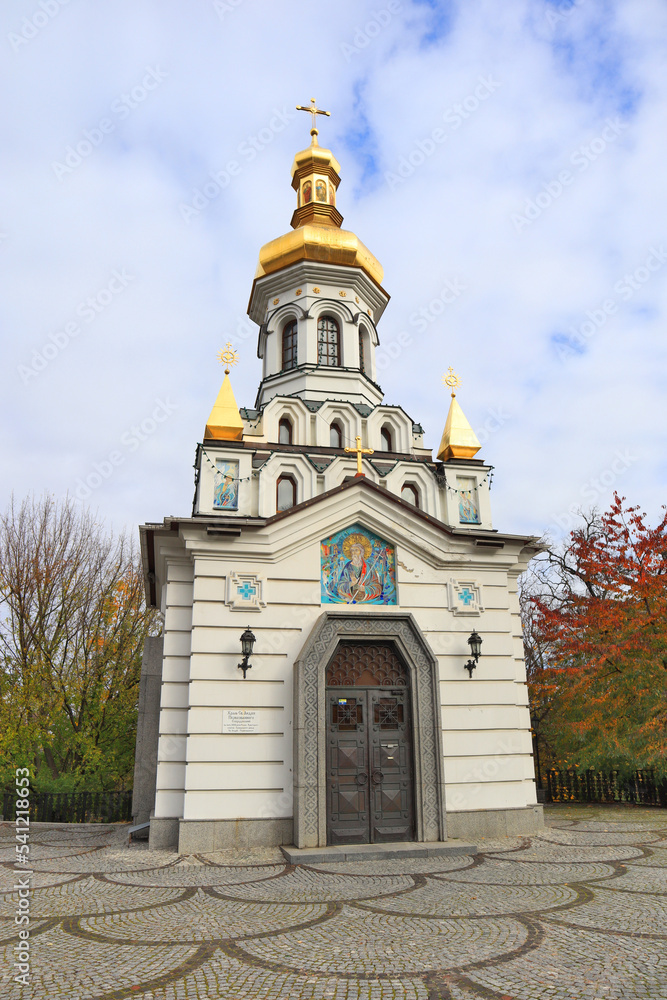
x,y
577,913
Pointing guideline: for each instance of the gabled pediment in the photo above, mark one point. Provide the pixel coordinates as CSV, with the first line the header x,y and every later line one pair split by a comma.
x,y
360,501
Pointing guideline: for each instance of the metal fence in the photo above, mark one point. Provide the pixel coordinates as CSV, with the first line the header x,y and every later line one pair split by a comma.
x,y
642,788
73,807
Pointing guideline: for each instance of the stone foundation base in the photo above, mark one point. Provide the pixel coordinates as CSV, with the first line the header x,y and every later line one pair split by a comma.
x,y
495,823
163,834
199,836
196,836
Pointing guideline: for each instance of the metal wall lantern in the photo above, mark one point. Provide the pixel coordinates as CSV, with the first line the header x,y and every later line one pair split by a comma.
x,y
475,643
247,642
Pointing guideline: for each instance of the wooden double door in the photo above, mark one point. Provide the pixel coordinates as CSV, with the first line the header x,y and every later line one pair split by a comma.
x,y
370,795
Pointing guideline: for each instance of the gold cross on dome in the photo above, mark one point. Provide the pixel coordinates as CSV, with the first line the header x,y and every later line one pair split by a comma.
x,y
452,380
228,357
359,451
314,111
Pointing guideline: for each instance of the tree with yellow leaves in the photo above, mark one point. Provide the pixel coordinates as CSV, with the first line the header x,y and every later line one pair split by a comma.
x,y
72,626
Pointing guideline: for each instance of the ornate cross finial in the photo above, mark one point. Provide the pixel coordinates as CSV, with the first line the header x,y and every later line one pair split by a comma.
x,y
452,379
228,357
314,111
359,451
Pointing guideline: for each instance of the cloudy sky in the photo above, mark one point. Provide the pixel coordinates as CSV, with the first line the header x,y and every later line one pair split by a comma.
x,y
504,159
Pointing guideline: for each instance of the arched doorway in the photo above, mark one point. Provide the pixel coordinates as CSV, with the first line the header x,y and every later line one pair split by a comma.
x,y
370,773
309,720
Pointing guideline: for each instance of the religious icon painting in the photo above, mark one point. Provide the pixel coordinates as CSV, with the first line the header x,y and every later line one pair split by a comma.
x,y
307,192
226,488
320,191
468,500
357,567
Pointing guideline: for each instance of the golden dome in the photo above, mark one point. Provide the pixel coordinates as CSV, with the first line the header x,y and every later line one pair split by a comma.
x,y
316,221
225,423
458,439
321,243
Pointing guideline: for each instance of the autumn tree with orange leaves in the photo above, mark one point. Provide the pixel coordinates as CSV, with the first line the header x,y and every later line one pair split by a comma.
x,y
72,626
595,631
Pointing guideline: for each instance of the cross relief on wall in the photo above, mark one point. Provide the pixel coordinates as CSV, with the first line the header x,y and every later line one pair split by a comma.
x,y
465,597
244,592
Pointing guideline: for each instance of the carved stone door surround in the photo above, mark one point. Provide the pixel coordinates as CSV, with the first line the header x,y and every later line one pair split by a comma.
x,y
310,776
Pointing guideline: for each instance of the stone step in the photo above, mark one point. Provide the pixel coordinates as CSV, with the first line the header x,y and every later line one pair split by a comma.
x,y
376,852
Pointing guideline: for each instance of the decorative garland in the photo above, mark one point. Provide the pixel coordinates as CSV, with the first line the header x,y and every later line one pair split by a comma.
x,y
442,478
452,489
234,479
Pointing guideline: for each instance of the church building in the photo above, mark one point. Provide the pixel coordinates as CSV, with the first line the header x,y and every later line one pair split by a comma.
x,y
341,659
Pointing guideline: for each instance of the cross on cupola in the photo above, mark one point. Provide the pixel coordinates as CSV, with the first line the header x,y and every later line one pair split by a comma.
x,y
359,451
314,111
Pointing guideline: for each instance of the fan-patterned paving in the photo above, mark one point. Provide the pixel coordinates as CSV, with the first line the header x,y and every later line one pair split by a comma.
x,y
577,913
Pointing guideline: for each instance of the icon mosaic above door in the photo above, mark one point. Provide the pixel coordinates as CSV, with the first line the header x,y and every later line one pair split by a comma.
x,y
357,567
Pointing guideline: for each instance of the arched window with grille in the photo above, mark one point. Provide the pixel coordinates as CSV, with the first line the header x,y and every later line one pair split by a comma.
x,y
335,435
289,352
386,442
328,342
285,493
410,493
365,358
285,431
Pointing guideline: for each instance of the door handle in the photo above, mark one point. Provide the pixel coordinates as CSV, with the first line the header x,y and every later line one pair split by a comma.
x,y
362,777
377,777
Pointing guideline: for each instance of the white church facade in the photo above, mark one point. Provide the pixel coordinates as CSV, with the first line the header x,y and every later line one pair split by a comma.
x,y
356,568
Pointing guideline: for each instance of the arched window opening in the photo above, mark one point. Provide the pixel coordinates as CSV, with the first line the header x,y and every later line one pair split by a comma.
x,y
328,342
335,436
386,443
285,431
285,493
289,345
362,348
410,493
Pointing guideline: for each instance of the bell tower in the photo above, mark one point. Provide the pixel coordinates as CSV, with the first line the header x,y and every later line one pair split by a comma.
x,y
317,295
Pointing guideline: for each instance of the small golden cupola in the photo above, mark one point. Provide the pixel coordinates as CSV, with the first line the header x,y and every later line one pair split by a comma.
x,y
225,422
316,221
458,438
315,178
